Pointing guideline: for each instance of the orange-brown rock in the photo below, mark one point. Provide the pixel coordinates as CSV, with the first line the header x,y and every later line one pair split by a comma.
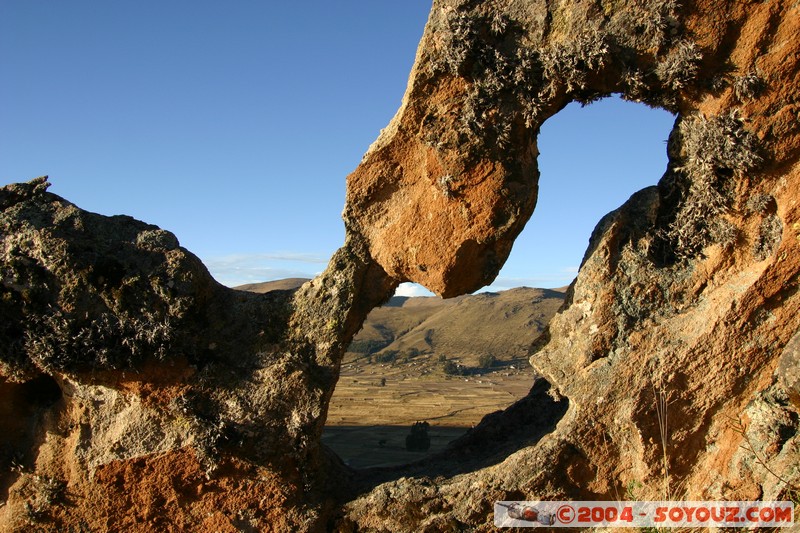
x,y
671,371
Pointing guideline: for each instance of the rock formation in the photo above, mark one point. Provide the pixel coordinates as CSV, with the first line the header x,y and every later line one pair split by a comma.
x,y
138,394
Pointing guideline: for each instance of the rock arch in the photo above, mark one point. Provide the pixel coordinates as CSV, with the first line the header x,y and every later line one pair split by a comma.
x,y
177,389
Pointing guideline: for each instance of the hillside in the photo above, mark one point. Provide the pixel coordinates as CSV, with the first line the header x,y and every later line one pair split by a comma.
x,y
501,324
269,286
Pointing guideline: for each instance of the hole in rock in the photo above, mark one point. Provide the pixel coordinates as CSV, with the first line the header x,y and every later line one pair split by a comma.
x,y
448,363
42,391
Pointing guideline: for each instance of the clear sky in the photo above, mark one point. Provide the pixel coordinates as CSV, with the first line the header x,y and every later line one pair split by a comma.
x,y
234,125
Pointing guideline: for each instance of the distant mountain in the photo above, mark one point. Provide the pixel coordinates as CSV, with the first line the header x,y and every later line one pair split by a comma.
x,y
277,285
502,324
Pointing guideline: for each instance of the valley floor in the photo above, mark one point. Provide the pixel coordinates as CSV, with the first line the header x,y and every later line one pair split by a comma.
x,y
368,422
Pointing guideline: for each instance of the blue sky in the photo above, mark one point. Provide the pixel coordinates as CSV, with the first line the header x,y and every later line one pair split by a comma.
x,y
234,125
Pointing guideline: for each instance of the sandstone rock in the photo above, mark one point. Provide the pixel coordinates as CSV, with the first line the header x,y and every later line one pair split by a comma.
x,y
685,304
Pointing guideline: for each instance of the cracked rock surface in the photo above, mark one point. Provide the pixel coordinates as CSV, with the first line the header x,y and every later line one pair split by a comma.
x,y
138,394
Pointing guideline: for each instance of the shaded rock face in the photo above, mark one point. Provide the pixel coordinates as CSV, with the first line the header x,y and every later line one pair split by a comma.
x,y
140,394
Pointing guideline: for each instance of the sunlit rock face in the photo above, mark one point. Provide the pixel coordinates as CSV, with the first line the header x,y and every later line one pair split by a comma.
x,y
138,394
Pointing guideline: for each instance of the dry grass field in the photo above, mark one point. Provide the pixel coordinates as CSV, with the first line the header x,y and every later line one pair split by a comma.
x,y
368,423
406,397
